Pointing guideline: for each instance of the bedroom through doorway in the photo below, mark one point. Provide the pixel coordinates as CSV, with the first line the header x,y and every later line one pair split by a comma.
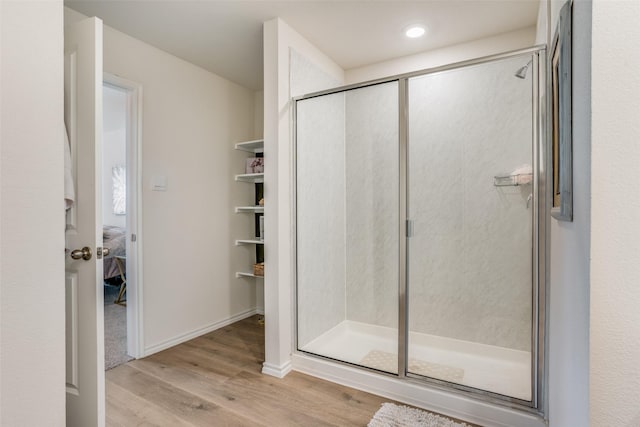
x,y
119,207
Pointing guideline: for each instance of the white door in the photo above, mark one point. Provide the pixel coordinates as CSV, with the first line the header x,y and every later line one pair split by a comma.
x,y
84,294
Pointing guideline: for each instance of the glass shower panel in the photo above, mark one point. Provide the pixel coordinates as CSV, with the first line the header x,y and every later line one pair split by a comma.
x,y
347,196
470,192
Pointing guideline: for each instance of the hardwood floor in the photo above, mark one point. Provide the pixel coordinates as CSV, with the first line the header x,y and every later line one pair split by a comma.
x,y
215,380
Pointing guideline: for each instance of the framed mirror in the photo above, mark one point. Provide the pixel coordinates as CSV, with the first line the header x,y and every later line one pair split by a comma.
x,y
561,134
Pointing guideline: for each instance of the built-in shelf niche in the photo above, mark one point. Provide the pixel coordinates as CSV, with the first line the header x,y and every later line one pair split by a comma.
x,y
256,148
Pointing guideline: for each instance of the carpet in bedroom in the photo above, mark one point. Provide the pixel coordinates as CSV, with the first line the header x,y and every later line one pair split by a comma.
x,y
115,330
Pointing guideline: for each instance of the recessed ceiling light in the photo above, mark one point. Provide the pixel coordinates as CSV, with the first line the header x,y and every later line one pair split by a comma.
x,y
415,31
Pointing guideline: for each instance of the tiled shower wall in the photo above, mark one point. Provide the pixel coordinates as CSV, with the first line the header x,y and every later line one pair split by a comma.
x,y
372,190
470,256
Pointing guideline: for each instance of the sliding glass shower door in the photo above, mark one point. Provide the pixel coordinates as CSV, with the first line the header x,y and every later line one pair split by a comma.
x,y
470,202
347,226
419,225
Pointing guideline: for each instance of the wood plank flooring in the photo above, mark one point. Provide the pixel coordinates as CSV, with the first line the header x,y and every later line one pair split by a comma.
x,y
215,380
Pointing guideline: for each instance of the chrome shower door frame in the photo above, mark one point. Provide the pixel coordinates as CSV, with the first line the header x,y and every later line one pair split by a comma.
x,y
541,200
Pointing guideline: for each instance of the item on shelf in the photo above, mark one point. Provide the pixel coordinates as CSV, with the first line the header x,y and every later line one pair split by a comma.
x,y
258,269
261,202
255,165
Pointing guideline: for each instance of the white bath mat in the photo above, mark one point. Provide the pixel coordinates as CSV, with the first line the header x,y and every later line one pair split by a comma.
x,y
388,362
390,415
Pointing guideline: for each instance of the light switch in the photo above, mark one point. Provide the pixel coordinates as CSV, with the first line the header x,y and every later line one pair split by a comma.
x,y
158,183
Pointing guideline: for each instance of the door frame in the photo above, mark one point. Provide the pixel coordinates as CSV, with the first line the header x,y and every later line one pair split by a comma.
x,y
135,319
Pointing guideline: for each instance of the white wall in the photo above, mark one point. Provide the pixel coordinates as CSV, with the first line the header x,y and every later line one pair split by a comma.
x,y
279,39
447,55
114,149
568,283
541,24
258,114
191,120
614,346
32,354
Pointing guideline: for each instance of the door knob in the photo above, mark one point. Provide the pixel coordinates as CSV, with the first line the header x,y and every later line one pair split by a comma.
x,y
84,253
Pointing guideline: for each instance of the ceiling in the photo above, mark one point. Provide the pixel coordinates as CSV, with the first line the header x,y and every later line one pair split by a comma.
x,y
225,37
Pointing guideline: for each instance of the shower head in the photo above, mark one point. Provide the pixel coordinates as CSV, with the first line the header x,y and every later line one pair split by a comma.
x,y
522,71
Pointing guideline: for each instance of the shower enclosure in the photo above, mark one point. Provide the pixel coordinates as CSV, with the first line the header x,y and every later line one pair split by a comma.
x,y
420,227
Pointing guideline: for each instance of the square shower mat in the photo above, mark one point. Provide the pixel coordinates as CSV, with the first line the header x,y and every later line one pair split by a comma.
x,y
388,362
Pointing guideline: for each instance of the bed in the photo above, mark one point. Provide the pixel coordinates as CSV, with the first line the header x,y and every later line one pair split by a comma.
x,y
114,238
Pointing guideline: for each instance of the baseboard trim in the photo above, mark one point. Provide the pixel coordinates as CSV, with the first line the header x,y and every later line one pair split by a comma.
x,y
440,401
148,351
260,311
276,371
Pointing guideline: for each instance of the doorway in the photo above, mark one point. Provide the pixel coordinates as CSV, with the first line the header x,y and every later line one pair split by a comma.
x,y
120,170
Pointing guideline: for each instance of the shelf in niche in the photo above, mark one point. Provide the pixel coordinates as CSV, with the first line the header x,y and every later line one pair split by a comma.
x,y
249,242
256,146
249,209
250,177
243,274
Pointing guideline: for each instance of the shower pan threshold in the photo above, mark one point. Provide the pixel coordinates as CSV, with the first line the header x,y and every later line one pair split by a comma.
x,y
496,369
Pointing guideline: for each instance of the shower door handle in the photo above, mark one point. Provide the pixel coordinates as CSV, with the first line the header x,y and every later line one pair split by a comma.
x,y
409,228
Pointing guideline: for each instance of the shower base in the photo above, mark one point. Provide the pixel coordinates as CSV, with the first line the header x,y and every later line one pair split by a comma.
x,y
496,369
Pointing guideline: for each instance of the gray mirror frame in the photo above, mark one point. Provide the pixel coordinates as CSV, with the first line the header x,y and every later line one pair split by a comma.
x,y
562,41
